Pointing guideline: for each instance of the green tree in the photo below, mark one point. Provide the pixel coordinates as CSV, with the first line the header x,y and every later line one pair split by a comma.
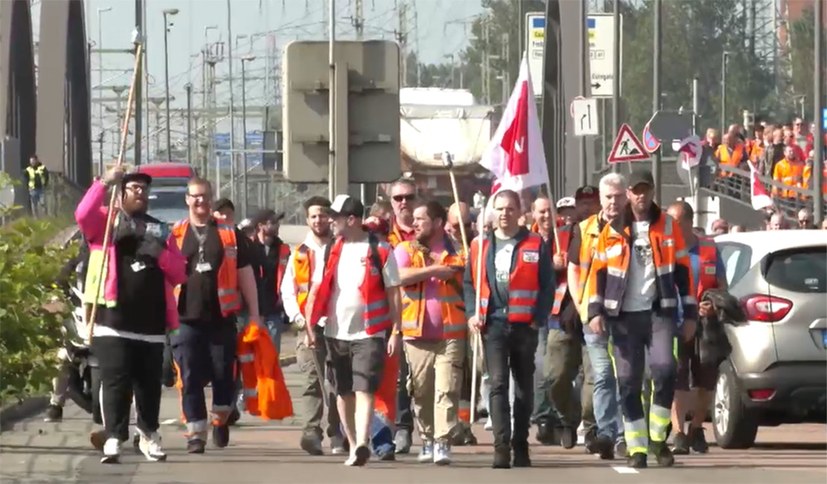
x,y
802,62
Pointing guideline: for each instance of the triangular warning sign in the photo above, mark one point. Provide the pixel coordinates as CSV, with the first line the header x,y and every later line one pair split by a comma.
x,y
627,147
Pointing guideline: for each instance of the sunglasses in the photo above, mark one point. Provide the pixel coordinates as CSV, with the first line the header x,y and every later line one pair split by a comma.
x,y
407,198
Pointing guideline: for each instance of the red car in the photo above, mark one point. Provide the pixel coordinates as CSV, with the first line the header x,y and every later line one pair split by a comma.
x,y
168,174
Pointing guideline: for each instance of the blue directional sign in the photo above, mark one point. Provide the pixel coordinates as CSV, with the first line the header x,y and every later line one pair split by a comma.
x,y
824,119
255,143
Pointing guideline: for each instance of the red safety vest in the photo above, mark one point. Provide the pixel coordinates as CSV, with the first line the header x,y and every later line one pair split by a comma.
x,y
707,274
524,282
377,313
229,298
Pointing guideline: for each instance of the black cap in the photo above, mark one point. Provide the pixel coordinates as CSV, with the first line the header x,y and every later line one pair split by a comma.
x,y
587,192
139,177
345,206
265,215
223,203
642,176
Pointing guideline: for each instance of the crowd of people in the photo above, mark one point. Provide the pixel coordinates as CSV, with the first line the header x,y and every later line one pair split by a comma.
x,y
397,308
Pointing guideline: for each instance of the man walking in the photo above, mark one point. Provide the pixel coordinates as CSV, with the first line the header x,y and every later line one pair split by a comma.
x,y
639,271
516,293
434,326
37,179
218,275
359,296
272,254
132,285
609,440
305,268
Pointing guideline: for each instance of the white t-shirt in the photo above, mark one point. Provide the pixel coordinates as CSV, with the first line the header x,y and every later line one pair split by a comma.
x,y
345,318
640,282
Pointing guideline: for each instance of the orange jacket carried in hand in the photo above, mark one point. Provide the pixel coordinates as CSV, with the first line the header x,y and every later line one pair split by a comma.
x,y
265,392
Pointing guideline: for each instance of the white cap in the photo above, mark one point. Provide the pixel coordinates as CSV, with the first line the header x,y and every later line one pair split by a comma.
x,y
566,202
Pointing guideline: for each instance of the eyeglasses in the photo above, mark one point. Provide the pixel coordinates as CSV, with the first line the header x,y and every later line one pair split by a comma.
x,y
136,188
408,198
197,196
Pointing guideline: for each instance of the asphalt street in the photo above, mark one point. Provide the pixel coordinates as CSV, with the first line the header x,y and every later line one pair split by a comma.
x,y
34,451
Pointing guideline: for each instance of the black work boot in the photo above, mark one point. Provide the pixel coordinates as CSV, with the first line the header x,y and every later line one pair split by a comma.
x,y
637,460
698,440
502,458
680,444
521,457
662,454
605,447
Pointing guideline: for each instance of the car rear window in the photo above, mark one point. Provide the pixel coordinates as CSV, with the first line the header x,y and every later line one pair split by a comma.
x,y
799,270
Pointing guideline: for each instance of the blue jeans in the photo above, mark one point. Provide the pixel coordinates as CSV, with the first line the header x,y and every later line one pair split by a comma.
x,y
276,324
542,407
606,395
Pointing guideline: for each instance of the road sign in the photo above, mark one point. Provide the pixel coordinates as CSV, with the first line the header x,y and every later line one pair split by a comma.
x,y
824,119
650,142
670,125
535,45
366,89
627,147
600,29
689,152
584,112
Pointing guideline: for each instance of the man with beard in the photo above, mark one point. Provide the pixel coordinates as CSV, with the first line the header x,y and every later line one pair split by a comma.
x,y
434,327
516,294
640,270
305,268
403,196
219,274
359,297
132,286
272,254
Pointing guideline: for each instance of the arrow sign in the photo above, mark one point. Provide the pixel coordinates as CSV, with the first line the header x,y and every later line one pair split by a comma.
x,y
584,113
627,147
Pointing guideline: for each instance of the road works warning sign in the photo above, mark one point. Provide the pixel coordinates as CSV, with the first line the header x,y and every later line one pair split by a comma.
x,y
627,147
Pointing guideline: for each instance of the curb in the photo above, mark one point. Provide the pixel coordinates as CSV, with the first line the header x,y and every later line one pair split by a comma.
x,y
286,361
15,412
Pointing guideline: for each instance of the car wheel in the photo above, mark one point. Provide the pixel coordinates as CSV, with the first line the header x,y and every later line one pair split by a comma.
x,y
734,426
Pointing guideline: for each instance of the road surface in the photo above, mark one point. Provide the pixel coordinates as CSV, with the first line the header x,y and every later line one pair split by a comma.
x,y
263,452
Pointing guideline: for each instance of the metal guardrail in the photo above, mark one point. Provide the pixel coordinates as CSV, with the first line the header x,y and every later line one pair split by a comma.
x,y
737,185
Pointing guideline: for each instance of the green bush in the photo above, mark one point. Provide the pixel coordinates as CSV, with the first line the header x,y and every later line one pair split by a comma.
x,y
30,333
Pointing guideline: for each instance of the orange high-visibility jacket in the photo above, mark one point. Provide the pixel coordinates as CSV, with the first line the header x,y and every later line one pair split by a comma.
x,y
229,298
589,234
610,266
265,392
451,300
807,178
789,174
303,259
708,258
564,233
730,158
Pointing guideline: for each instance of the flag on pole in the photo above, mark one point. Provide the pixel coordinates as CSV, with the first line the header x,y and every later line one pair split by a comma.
x,y
758,193
515,154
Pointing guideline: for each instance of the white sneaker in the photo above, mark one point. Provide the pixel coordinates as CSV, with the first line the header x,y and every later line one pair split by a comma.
x,y
351,460
442,454
111,451
488,425
151,447
426,453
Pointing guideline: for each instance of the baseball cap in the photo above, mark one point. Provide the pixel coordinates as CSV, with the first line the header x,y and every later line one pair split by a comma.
x,y
643,176
266,214
587,192
223,203
345,206
138,177
565,202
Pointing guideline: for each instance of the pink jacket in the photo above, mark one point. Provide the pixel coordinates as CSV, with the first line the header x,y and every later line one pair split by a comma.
x,y
91,218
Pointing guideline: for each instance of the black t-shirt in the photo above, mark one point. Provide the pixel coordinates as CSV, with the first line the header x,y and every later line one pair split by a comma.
x,y
267,257
141,306
198,301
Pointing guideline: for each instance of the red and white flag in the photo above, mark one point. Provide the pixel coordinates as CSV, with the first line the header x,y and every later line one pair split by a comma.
x,y
758,193
515,154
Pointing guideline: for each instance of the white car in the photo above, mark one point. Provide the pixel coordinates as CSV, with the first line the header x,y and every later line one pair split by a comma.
x,y
777,371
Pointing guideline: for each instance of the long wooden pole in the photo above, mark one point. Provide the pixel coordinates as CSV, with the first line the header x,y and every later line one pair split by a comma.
x,y
459,211
136,78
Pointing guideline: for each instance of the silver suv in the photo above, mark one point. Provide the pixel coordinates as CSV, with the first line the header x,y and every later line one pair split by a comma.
x,y
777,372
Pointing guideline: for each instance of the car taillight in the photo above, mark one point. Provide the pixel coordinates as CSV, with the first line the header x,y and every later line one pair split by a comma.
x,y
768,309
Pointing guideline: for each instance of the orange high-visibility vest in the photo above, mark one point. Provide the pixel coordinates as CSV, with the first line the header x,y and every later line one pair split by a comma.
x,y
265,392
283,257
396,236
229,298
564,233
377,312
524,281
732,159
707,273
303,259
454,324
789,174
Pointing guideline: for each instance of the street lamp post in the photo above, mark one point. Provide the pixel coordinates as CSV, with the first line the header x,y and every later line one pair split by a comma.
x,y
167,13
244,60
101,11
724,59
188,87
